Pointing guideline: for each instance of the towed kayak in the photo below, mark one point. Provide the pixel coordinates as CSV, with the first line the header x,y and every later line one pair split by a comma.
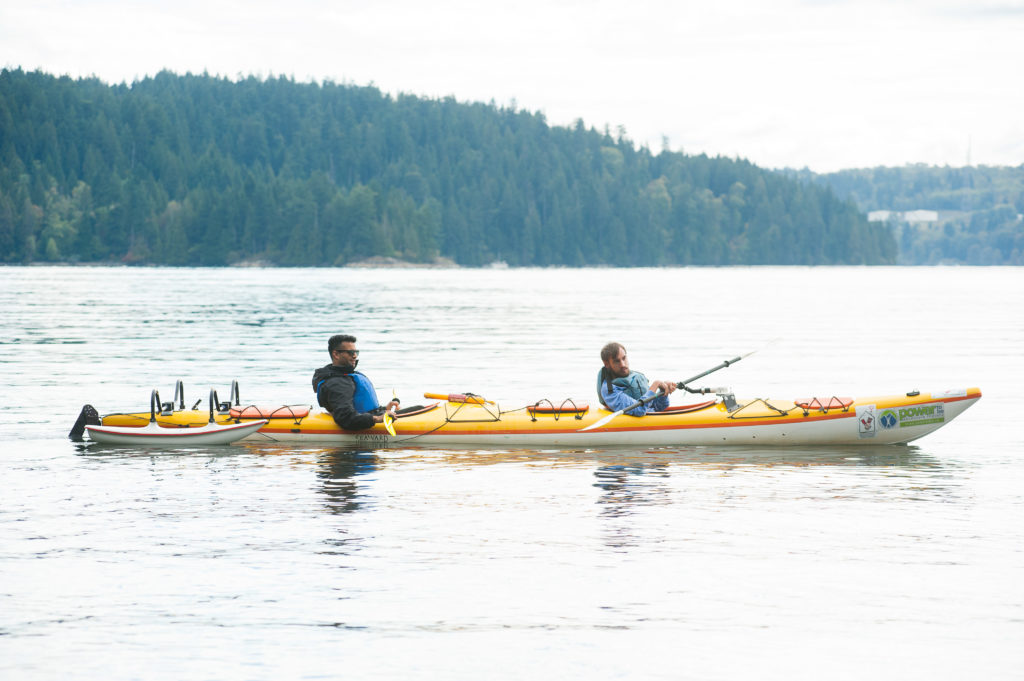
x,y
165,434
155,435
472,420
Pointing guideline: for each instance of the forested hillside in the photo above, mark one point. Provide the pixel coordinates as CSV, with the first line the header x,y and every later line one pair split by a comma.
x,y
979,208
198,170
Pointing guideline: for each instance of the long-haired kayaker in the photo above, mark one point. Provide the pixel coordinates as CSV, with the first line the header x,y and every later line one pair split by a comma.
x,y
348,394
618,387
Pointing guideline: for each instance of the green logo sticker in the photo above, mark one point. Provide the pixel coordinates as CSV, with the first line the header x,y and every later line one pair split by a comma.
x,y
921,415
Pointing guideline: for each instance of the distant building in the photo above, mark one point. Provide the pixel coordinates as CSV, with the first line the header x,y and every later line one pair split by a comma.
x,y
909,216
921,216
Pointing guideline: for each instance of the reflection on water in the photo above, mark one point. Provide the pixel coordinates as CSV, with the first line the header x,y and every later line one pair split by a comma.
x,y
96,450
908,457
626,487
339,471
345,462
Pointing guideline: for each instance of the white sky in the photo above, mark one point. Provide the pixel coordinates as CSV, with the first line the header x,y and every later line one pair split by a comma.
x,y
826,84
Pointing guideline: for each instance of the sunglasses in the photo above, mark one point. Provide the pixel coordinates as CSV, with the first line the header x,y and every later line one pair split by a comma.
x,y
350,353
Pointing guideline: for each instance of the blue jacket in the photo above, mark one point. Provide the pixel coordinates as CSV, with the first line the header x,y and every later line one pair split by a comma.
x,y
619,393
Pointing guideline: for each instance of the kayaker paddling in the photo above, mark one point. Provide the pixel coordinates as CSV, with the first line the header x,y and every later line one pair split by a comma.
x,y
618,387
348,394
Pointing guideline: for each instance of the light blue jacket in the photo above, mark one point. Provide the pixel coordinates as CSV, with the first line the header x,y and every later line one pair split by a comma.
x,y
622,392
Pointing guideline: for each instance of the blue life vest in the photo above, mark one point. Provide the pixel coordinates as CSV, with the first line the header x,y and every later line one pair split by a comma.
x,y
365,397
635,384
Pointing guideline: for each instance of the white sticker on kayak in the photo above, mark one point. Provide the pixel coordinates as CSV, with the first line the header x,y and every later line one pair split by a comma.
x,y
949,393
866,420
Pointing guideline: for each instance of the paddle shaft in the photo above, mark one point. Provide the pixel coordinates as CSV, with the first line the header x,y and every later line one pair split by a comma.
x,y
729,362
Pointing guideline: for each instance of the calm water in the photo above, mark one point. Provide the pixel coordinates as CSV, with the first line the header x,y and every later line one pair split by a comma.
x,y
259,562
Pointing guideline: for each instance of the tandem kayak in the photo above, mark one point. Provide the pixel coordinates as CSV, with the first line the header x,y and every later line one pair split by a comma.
x,y
725,420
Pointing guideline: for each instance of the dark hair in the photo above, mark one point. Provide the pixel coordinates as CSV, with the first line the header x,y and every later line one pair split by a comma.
x,y
337,340
610,350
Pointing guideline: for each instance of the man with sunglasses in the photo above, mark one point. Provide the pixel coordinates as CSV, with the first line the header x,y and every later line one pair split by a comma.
x,y
346,393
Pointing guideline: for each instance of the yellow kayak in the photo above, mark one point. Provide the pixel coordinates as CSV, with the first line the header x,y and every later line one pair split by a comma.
x,y
725,420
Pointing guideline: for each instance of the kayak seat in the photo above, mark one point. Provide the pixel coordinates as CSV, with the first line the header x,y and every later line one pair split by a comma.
x,y
823,404
682,409
256,412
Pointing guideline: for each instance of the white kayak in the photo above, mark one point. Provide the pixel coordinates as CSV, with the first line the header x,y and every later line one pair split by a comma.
x,y
153,434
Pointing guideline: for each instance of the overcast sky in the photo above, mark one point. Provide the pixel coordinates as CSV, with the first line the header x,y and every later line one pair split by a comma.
x,y
826,84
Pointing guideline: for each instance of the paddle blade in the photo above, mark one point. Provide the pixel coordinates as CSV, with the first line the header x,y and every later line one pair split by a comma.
x,y
389,423
597,424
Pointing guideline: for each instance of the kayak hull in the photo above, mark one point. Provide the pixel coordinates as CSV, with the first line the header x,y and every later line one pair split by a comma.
x,y
880,420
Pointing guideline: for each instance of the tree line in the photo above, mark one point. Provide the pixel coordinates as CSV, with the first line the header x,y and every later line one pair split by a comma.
x,y
200,170
981,209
